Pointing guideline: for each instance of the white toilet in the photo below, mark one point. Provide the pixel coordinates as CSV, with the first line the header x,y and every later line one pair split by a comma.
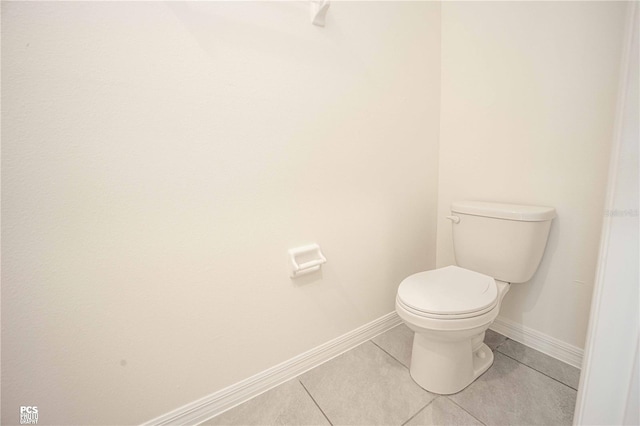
x,y
450,308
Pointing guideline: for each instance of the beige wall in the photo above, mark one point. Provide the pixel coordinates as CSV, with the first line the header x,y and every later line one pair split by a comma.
x,y
528,94
159,159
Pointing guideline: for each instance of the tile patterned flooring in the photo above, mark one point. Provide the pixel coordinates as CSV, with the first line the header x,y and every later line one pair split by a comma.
x,y
371,385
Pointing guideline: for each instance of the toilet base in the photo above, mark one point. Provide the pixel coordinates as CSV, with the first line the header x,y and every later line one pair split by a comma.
x,y
447,367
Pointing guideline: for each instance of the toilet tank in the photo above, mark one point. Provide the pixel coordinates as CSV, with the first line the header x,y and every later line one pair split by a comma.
x,y
504,241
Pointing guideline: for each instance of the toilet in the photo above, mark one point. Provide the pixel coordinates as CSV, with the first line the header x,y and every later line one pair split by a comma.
x,y
450,308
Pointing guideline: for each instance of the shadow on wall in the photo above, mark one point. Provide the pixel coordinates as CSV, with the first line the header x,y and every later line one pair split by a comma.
x,y
533,288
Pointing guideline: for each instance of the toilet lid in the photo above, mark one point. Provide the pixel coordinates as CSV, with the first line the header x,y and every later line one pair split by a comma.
x,y
448,291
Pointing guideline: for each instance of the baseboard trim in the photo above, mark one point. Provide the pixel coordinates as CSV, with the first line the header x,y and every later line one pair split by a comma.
x,y
210,406
551,346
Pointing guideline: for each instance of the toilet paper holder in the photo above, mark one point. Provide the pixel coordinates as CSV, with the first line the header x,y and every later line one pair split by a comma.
x,y
306,259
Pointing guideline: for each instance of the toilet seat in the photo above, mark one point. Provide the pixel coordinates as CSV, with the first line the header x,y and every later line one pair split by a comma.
x,y
448,293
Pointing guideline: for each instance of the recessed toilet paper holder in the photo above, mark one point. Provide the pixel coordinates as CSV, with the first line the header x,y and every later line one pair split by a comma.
x,y
306,259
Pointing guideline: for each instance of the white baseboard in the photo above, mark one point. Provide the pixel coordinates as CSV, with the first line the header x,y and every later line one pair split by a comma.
x,y
551,346
210,406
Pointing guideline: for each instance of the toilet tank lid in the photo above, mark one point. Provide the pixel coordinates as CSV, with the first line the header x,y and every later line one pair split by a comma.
x,y
504,211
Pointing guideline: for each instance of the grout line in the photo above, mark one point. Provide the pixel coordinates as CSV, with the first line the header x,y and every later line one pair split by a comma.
x,y
501,343
420,410
535,369
382,349
464,409
315,402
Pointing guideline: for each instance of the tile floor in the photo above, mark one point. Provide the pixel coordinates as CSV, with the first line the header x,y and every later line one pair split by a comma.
x,y
371,385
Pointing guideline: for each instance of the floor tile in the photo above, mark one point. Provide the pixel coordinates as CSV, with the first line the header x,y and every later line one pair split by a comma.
x,y
445,413
493,339
397,342
365,386
510,393
287,404
565,373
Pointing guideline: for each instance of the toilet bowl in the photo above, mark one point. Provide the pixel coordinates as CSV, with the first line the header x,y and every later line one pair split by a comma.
x,y
449,309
